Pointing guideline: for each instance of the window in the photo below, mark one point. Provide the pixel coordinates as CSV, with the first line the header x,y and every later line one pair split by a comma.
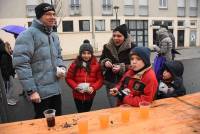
x,y
181,8
114,24
180,23
30,7
99,25
139,31
48,1
193,8
143,7
75,7
84,25
163,3
167,22
193,23
157,23
193,38
107,7
67,26
128,7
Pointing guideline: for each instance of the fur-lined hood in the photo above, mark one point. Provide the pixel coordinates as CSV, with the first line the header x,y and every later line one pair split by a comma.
x,y
126,45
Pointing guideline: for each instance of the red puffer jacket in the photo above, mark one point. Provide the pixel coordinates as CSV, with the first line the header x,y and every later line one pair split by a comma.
x,y
145,93
95,78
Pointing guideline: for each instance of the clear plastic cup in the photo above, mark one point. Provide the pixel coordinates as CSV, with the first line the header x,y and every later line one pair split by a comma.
x,y
104,120
144,109
50,117
83,126
125,115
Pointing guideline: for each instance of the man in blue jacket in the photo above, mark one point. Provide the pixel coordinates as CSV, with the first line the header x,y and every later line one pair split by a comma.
x,y
38,61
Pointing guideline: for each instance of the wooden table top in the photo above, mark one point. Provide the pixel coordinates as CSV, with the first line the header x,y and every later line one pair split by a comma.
x,y
167,116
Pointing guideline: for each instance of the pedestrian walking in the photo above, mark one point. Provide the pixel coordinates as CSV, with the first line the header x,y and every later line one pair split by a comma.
x,y
163,49
139,83
84,76
38,61
115,59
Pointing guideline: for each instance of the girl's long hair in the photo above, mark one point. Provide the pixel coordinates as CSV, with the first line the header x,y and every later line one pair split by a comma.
x,y
79,64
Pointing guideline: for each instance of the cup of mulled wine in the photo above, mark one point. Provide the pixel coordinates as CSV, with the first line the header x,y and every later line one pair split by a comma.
x,y
50,117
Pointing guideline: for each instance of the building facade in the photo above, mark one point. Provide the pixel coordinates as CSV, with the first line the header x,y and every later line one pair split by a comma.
x,y
95,19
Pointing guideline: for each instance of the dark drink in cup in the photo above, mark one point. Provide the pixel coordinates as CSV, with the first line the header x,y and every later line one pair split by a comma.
x,y
51,122
50,117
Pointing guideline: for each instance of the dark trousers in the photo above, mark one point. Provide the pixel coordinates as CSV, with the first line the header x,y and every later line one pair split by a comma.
x,y
53,102
83,106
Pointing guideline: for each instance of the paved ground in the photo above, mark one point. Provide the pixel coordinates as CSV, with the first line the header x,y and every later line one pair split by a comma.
x,y
190,58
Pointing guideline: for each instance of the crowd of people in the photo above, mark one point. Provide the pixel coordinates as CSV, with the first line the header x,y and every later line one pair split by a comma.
x,y
124,68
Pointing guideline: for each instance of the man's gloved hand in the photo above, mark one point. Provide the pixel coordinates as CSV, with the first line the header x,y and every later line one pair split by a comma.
x,y
60,72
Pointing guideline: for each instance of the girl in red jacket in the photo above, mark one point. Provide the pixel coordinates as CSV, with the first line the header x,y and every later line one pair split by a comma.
x,y
139,83
84,76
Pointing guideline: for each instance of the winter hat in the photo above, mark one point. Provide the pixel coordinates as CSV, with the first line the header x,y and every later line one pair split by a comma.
x,y
144,53
122,29
42,8
86,46
174,67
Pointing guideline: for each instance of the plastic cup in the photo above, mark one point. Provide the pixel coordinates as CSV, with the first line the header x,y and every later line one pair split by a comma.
x,y
144,109
83,126
104,121
50,117
125,115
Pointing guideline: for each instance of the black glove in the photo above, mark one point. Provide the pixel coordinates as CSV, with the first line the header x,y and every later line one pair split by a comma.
x,y
121,95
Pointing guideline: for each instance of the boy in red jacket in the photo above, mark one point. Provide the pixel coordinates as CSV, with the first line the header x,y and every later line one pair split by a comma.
x,y
84,76
139,83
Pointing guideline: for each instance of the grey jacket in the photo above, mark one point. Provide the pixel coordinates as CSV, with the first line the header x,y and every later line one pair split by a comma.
x,y
36,55
165,44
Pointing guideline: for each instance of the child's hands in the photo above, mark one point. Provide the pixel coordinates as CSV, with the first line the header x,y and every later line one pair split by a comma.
x,y
116,68
108,64
90,90
113,91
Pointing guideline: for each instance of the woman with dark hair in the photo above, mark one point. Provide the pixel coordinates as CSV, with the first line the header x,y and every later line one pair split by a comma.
x,y
84,76
115,59
7,70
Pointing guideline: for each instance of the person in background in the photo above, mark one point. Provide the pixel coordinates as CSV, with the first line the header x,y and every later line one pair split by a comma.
x,y
38,61
173,51
115,59
84,76
8,72
164,51
171,84
139,83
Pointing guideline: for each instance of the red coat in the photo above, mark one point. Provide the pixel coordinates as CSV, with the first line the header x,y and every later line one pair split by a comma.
x,y
95,78
148,79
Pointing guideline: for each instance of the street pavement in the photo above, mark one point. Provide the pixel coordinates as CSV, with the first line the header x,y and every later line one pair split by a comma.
x,y
24,110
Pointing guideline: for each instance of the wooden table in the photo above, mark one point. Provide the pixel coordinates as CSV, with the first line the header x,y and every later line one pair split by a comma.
x,y
167,116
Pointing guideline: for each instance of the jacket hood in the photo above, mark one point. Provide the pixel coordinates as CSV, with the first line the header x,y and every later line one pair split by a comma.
x,y
175,67
38,24
126,45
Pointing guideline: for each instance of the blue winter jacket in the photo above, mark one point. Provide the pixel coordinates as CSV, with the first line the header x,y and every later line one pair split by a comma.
x,y
36,55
